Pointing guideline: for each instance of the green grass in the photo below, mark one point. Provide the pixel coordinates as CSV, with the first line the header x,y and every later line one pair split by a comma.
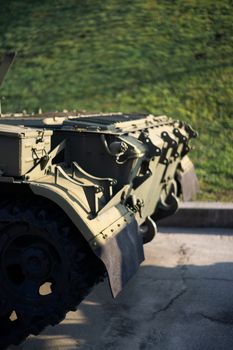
x,y
171,57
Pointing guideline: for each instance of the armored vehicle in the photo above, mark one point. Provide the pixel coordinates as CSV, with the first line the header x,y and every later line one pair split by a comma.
x,y
79,196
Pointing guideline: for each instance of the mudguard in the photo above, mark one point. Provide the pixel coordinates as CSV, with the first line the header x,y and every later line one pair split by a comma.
x,y
119,245
122,256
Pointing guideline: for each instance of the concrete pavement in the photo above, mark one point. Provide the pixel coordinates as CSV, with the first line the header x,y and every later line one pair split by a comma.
x,y
181,299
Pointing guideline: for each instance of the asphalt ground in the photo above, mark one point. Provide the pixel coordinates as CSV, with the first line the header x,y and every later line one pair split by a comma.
x,y
180,299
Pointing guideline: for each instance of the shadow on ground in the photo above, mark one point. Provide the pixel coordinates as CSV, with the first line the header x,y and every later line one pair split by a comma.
x,y
185,307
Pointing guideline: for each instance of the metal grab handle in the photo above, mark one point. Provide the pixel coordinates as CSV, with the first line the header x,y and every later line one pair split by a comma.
x,y
59,170
76,166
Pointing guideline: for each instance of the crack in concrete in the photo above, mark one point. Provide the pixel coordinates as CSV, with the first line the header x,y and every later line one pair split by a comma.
x,y
183,252
170,303
225,321
183,255
152,339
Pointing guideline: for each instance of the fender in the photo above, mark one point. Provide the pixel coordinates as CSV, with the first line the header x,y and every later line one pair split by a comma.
x,y
113,236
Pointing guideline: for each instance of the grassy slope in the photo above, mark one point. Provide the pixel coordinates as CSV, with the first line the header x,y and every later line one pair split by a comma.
x,y
172,57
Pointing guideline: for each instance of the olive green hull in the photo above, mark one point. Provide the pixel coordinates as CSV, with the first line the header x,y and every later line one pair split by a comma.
x,y
109,173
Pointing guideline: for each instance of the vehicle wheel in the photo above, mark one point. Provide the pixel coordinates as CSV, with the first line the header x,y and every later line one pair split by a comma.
x,y
148,230
46,268
168,203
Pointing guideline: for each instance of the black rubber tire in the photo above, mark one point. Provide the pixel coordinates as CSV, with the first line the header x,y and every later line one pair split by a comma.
x,y
83,272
